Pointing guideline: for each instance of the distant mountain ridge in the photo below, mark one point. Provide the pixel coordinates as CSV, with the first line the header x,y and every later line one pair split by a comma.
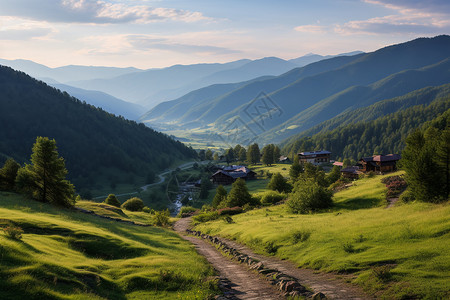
x,y
304,97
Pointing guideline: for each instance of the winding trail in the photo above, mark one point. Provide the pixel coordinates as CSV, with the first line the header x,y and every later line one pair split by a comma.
x,y
244,283
248,285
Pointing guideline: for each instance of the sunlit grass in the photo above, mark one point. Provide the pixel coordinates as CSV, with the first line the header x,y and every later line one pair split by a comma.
x,y
65,254
358,234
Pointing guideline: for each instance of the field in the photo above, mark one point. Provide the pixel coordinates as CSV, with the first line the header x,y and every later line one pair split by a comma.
x,y
396,253
65,254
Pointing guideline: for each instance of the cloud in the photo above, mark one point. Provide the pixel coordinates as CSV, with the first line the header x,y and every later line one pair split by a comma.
x,y
94,11
143,43
310,29
24,34
409,17
394,24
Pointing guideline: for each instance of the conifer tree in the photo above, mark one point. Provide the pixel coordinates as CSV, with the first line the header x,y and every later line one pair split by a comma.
x,y
238,195
8,174
253,154
221,195
44,179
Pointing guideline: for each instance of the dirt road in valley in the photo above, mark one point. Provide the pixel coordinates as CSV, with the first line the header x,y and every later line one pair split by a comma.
x,y
248,285
245,284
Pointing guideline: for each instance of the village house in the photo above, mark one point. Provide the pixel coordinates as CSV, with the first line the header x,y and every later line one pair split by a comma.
x,y
380,163
229,174
284,160
351,172
314,157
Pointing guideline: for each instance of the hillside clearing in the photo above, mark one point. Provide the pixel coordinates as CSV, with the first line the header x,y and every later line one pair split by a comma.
x,y
64,254
397,252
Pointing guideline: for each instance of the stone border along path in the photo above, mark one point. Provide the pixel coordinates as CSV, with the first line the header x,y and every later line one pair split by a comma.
x,y
324,284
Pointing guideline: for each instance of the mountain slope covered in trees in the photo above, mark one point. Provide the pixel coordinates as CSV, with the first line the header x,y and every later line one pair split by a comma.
x,y
379,129
304,97
98,147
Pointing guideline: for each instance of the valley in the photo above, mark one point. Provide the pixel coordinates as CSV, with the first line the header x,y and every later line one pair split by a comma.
x,y
313,177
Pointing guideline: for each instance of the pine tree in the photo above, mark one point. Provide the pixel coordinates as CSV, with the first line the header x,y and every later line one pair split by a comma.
x,y
267,154
242,154
8,174
221,195
44,179
238,195
253,154
276,154
295,170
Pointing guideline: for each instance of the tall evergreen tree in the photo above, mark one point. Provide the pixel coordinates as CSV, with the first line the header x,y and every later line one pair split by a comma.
x,y
242,154
267,154
238,195
44,179
276,154
253,154
221,195
8,174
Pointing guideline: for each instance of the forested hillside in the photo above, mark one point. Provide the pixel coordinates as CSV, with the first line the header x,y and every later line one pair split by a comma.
x,y
379,129
99,148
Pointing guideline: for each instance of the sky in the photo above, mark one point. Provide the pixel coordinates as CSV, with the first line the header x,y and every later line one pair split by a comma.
x,y
158,33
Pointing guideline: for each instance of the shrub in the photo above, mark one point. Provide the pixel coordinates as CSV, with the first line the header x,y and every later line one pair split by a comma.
x,y
407,196
309,196
133,204
270,247
112,200
162,218
13,232
370,174
348,247
279,183
186,211
146,209
271,197
382,273
230,210
228,219
205,217
300,236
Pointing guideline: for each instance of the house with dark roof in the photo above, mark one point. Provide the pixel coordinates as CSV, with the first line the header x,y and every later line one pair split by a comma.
x,y
380,163
314,157
351,172
284,160
229,174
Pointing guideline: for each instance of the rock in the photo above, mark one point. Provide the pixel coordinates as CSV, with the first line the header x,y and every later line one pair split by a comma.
x,y
257,266
318,296
292,286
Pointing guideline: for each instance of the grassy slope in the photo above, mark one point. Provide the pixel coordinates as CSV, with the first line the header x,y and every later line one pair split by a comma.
x,y
413,238
68,255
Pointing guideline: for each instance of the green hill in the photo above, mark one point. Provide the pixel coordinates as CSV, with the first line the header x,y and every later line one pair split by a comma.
x,y
64,254
100,149
379,128
395,253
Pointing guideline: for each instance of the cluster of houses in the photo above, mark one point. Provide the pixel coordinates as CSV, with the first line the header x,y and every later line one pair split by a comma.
x,y
376,163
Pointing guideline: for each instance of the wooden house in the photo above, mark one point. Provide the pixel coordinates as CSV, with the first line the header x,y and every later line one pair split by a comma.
x,y
380,163
228,175
284,160
351,172
314,157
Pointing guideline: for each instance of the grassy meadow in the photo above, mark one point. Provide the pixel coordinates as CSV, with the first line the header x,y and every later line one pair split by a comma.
x,y
65,254
395,253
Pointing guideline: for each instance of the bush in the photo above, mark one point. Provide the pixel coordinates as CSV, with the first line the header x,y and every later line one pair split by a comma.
x,y
13,232
300,236
407,196
271,197
162,218
133,204
228,219
279,183
187,211
230,210
146,209
205,217
309,196
112,200
270,247
382,273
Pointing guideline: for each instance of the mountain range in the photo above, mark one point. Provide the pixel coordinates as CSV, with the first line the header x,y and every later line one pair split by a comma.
x,y
270,109
100,149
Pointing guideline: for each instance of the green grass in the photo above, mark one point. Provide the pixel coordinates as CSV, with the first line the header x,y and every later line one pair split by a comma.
x,y
359,236
65,254
275,168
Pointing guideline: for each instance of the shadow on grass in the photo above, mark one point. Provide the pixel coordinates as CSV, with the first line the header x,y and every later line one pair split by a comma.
x,y
357,203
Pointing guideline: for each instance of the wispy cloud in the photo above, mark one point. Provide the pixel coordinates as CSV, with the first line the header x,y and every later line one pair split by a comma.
x,y
23,34
311,28
94,11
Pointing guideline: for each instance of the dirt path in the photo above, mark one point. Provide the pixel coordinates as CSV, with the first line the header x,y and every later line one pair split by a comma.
x,y
244,283
333,286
